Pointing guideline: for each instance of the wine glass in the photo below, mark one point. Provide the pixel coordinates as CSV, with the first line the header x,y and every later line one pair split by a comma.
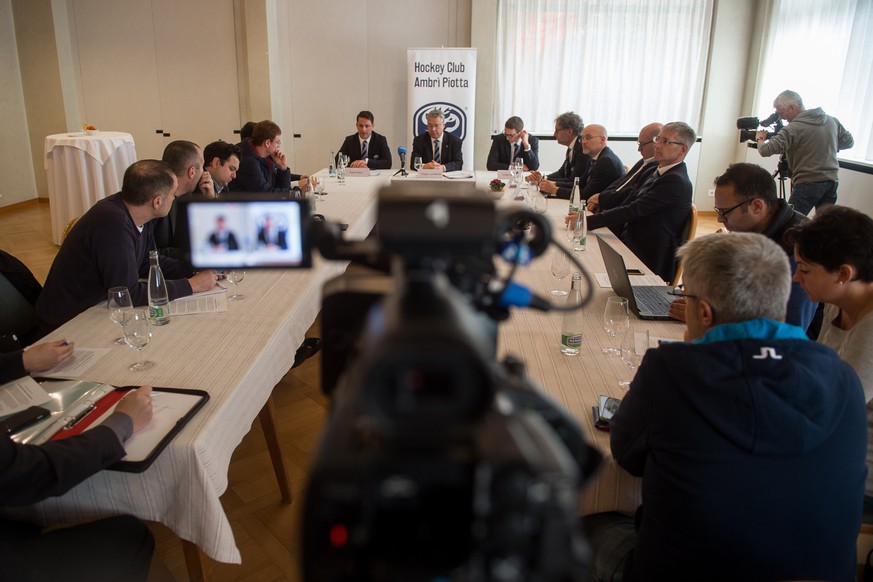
x,y
235,277
633,348
560,269
119,306
137,333
616,322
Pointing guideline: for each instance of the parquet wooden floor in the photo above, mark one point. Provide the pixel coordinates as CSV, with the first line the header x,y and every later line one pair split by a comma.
x,y
267,532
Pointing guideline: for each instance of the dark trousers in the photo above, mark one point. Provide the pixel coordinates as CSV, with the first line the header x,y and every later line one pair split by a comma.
x,y
115,548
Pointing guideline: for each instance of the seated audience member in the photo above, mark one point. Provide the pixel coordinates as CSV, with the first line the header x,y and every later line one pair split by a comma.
x,y
115,548
109,247
620,190
746,201
653,217
568,130
514,143
739,436
437,148
605,167
245,132
263,166
221,163
186,160
366,148
834,255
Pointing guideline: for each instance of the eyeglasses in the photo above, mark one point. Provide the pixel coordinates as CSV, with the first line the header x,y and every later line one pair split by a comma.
x,y
642,143
724,212
510,135
664,141
679,291
587,137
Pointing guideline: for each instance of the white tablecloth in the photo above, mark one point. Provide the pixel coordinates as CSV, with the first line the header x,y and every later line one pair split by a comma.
x,y
83,169
238,357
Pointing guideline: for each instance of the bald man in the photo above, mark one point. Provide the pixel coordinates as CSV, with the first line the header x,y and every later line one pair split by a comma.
x,y
605,168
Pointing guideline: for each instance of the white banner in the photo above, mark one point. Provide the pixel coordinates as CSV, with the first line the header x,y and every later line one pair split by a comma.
x,y
445,79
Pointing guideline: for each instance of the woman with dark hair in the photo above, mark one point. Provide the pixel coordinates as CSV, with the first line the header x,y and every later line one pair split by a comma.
x,y
834,254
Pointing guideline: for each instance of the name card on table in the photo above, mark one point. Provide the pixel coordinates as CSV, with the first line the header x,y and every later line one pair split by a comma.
x,y
359,172
430,172
504,175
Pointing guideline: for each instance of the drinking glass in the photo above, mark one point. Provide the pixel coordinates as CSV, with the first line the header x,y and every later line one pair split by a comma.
x,y
235,277
514,172
416,163
560,269
616,322
341,165
633,348
119,306
319,188
539,202
137,333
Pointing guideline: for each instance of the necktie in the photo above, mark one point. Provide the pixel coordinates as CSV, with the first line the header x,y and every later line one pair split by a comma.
x,y
514,153
647,185
436,151
631,177
364,150
568,163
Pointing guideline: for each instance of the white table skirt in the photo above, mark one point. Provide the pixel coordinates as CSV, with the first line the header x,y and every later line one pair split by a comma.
x,y
83,169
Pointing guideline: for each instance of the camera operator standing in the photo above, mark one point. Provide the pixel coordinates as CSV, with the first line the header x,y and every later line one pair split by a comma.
x,y
810,141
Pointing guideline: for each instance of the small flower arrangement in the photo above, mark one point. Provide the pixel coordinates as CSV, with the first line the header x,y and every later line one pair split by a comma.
x,y
89,129
496,185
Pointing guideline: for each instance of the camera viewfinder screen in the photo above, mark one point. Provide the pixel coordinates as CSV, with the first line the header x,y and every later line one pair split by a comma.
x,y
231,234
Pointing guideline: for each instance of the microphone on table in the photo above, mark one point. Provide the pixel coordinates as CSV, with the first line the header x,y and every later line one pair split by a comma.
x,y
401,151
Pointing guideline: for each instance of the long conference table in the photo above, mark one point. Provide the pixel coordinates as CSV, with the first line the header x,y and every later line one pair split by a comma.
x,y
239,356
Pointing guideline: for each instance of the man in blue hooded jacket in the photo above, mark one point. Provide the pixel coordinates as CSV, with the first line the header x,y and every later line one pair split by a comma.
x,y
749,438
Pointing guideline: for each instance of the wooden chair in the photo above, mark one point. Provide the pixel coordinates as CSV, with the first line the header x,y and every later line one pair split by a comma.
x,y
687,234
68,228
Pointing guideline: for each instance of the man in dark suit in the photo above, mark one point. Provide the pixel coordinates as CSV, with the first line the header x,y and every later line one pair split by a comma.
x,y
514,143
437,148
655,215
367,149
605,165
272,236
568,129
114,548
263,166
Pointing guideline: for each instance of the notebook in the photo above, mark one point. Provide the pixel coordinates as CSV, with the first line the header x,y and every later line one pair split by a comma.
x,y
646,302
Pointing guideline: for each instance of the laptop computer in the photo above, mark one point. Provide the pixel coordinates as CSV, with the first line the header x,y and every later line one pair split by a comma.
x,y
645,301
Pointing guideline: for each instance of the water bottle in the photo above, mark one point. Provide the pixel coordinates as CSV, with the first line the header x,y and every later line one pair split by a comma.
x,y
159,299
580,231
574,196
571,326
331,168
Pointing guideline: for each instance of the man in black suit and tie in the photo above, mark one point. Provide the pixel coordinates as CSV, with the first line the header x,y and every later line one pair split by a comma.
x,y
367,149
605,165
655,215
568,130
514,143
437,148
272,236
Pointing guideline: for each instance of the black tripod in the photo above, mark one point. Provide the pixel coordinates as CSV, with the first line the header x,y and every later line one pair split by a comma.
x,y
782,173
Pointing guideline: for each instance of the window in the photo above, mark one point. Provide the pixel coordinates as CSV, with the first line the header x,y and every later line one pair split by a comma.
x,y
621,63
823,49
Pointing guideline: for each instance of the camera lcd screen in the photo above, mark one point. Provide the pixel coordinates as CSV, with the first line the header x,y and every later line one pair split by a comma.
x,y
251,233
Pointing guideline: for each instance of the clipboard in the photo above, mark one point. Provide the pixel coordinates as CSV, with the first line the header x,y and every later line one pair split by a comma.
x,y
173,408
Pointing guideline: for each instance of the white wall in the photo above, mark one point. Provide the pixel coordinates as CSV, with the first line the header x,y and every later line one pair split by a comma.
x,y
16,163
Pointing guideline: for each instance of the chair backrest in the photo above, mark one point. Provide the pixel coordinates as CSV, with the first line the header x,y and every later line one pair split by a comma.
x,y
19,291
68,228
687,234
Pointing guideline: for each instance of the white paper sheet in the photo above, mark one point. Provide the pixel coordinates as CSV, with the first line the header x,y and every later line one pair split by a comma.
x,y
76,365
20,394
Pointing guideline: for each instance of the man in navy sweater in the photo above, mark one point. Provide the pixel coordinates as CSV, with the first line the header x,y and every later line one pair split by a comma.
x,y
749,438
109,247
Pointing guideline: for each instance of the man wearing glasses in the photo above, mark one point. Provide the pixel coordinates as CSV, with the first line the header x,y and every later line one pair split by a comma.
x,y
651,219
749,438
605,168
568,132
746,201
513,144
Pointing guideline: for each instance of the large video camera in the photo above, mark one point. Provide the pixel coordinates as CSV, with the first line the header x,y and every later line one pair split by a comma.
x,y
749,126
437,462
